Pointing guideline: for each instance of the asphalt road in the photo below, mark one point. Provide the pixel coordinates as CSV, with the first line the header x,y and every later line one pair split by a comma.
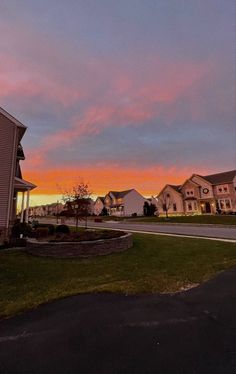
x,y
188,333
189,230
207,231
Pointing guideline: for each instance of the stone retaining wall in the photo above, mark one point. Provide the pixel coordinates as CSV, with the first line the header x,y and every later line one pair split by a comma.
x,y
79,249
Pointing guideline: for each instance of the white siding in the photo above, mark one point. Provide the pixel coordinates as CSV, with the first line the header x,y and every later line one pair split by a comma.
x,y
133,203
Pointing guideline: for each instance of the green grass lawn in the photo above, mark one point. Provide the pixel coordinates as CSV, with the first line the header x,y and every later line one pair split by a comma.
x,y
154,264
203,219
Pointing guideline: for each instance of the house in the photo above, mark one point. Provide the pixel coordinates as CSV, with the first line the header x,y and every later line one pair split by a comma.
x,y
46,210
11,180
124,203
76,207
99,205
209,194
170,199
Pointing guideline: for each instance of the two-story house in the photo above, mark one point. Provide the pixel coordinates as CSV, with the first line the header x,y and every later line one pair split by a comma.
x,y
124,203
11,181
209,194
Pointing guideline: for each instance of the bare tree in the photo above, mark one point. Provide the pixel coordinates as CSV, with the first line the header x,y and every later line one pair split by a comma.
x,y
78,202
165,202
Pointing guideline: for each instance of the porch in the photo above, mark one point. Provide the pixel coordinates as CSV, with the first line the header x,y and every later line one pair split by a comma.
x,y
22,187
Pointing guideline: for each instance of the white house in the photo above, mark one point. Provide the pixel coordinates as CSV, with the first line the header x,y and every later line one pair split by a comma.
x,y
124,203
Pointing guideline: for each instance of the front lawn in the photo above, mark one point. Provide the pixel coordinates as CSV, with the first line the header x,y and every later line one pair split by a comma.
x,y
202,219
154,264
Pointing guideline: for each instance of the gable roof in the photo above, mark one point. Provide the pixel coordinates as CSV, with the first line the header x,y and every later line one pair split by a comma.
x,y
225,177
189,180
175,187
102,198
15,121
120,194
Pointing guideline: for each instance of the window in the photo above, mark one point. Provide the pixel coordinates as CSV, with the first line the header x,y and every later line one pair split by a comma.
x,y
227,204
224,204
191,205
189,192
174,207
222,189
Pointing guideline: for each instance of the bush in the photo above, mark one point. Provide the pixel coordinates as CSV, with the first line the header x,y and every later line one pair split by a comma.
x,y
50,227
134,215
64,229
20,228
41,232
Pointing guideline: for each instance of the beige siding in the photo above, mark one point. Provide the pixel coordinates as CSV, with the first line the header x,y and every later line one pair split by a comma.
x,y
231,194
133,203
7,159
98,207
203,184
175,198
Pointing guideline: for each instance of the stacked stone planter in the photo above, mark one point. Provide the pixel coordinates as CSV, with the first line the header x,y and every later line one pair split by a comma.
x,y
79,249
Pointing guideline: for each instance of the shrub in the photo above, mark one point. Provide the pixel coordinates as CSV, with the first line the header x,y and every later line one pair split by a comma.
x,y
20,228
41,232
64,229
134,215
50,227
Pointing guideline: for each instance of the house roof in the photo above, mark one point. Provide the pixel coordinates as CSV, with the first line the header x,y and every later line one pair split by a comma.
x,y
120,194
23,185
15,121
102,198
225,177
175,187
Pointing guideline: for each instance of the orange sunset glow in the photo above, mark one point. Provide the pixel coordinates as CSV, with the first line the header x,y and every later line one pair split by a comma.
x,y
134,101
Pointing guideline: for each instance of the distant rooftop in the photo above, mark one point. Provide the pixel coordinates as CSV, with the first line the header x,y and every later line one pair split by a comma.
x,y
120,194
225,177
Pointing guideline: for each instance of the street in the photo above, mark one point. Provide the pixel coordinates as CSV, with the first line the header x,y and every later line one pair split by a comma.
x,y
210,231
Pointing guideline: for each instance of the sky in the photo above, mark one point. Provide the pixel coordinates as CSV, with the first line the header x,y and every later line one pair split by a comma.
x,y
121,94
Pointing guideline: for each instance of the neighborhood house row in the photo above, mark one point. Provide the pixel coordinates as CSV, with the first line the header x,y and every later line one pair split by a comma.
x,y
199,194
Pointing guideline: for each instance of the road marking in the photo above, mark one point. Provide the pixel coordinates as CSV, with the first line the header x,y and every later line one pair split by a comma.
x,y
15,337
171,321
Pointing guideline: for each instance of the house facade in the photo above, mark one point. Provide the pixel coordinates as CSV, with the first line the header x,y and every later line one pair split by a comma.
x,y
78,206
46,210
209,194
124,203
98,205
11,180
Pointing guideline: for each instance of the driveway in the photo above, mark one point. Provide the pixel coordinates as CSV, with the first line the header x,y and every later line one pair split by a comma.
x,y
189,333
